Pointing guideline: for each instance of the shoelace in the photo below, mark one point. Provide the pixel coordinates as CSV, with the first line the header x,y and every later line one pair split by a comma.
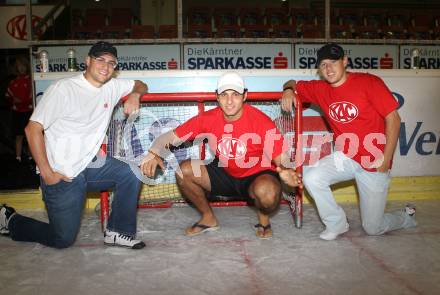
x,y
126,237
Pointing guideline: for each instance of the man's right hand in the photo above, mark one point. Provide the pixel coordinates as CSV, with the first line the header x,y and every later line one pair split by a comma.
x,y
54,178
149,164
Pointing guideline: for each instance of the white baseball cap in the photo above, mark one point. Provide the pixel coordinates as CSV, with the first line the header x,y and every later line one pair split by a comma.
x,y
230,81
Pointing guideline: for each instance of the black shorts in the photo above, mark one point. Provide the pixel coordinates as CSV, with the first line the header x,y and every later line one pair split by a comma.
x,y
225,185
19,122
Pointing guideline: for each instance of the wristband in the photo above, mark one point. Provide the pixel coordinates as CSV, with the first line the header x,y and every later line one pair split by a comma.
x,y
290,87
154,154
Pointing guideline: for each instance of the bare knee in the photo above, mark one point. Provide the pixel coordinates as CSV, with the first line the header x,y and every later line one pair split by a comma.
x,y
185,171
190,172
267,193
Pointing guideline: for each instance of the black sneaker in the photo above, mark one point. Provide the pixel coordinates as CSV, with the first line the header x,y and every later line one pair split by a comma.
x,y
112,238
6,213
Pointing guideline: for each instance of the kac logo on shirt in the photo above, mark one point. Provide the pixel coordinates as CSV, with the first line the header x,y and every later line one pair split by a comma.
x,y
231,148
343,111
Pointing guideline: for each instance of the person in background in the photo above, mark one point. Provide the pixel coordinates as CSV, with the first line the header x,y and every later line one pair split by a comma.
x,y
19,93
247,162
6,76
65,133
362,114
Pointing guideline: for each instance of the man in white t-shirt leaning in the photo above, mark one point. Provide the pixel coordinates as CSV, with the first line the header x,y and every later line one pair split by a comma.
x,y
65,133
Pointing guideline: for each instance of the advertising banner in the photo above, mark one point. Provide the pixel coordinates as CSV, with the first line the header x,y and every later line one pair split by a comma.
x,y
237,56
359,56
418,148
429,56
130,57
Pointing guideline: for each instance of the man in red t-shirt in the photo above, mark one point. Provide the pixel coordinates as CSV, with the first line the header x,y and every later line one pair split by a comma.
x,y
362,113
247,163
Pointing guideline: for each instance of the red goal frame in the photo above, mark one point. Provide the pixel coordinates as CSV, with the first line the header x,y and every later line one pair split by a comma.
x,y
296,200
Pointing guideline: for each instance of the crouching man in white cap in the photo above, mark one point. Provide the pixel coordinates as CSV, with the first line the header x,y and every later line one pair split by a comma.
x,y
247,163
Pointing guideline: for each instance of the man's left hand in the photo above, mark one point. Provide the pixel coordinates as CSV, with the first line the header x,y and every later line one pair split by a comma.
x,y
384,167
289,177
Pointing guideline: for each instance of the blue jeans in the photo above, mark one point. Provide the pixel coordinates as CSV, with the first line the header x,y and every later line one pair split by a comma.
x,y
373,193
65,201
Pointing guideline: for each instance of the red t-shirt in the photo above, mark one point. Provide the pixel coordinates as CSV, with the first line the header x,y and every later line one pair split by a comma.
x,y
244,147
20,93
356,108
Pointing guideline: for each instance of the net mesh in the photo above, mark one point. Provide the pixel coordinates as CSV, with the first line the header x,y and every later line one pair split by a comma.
x,y
130,138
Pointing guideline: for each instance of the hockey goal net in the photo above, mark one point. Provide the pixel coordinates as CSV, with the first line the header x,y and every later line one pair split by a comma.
x,y
130,138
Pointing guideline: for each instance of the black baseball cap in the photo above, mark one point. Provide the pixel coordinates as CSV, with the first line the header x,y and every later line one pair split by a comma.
x,y
329,51
101,48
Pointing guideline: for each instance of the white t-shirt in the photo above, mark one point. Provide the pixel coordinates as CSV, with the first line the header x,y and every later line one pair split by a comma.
x,y
75,116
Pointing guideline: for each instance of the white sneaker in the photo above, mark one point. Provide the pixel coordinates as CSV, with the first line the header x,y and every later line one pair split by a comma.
x,y
112,238
330,235
410,209
6,213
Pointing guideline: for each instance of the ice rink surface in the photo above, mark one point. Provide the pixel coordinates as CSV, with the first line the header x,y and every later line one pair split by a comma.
x,y
232,260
